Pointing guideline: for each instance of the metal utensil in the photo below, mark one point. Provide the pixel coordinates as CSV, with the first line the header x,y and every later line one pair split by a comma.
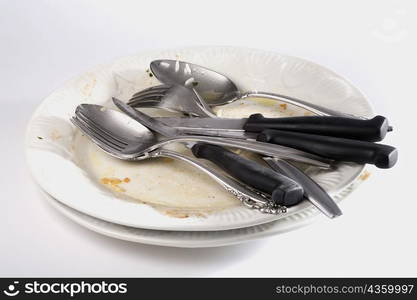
x,y
312,191
122,137
188,101
254,146
173,98
217,89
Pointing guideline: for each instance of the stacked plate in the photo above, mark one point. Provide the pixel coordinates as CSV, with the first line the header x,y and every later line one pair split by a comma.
x,y
165,202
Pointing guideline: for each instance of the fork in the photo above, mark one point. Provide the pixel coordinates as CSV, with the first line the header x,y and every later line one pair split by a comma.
x,y
174,98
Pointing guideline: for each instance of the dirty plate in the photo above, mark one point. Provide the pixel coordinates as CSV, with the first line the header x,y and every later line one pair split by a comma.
x,y
163,194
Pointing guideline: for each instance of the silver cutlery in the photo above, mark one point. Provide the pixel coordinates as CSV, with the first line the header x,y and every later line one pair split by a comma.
x,y
179,135
122,137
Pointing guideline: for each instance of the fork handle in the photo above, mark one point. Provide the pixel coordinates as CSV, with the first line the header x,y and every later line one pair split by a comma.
x,y
371,130
382,156
283,190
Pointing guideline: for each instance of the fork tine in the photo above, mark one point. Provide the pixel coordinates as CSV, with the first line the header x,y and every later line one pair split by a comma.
x,y
159,88
108,135
144,103
98,134
149,95
105,145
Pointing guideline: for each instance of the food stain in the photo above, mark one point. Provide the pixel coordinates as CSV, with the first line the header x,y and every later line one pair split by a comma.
x,y
113,183
283,106
87,89
177,214
167,160
265,101
55,135
183,215
365,175
149,72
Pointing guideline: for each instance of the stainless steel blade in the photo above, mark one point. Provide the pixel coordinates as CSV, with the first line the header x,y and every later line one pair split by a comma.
x,y
206,123
312,191
223,127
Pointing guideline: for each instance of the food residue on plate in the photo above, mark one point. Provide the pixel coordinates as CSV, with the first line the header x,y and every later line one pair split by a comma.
x,y
182,214
55,135
283,106
365,175
113,183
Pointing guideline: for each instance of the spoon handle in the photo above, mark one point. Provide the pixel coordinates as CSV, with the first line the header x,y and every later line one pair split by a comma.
x,y
382,156
314,108
283,190
371,130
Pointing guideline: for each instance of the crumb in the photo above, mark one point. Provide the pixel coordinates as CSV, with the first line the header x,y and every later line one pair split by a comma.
x,y
365,175
283,106
103,109
308,113
195,83
150,74
40,138
126,179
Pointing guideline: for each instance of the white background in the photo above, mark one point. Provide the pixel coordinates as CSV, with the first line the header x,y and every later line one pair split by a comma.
x,y
372,43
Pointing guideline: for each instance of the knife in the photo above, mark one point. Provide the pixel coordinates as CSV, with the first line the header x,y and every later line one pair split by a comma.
x,y
371,130
312,191
337,148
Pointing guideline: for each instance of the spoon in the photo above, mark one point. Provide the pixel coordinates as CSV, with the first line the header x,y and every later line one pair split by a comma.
x,y
217,89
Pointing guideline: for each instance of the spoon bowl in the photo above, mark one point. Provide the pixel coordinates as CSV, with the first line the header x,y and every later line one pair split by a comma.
x,y
215,88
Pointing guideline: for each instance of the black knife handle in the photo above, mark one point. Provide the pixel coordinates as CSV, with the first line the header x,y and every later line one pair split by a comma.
x,y
382,156
283,190
371,130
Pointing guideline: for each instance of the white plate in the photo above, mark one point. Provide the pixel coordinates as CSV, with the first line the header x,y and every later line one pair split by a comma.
x,y
190,239
69,167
